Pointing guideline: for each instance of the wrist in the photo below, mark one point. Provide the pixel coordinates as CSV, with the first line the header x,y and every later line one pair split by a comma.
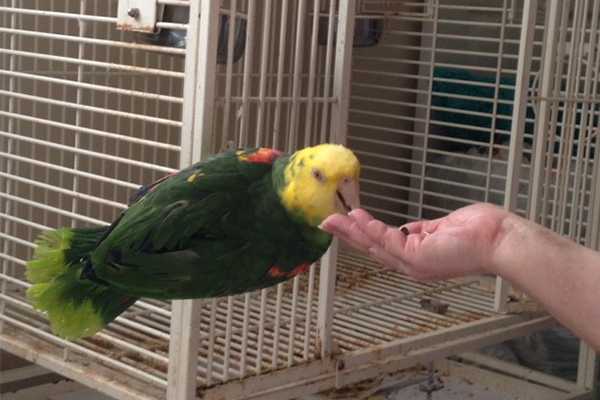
x,y
515,235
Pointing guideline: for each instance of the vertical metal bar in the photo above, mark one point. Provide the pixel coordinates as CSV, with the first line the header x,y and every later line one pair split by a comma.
x,y
199,93
494,116
327,77
211,340
593,228
245,334
35,129
587,121
228,329
229,70
587,367
311,73
518,127
296,76
80,71
339,127
554,115
247,76
294,306
280,72
308,312
9,163
261,330
206,78
427,112
264,63
277,329
546,86
564,159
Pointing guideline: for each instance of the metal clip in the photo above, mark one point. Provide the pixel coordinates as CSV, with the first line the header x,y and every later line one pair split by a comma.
x,y
137,15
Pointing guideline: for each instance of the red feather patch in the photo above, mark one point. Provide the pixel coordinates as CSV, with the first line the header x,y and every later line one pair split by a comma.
x,y
276,272
262,156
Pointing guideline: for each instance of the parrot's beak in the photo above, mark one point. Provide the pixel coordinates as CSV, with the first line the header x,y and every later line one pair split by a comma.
x,y
348,195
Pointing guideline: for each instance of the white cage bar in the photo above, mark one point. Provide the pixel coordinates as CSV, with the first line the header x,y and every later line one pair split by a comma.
x,y
446,102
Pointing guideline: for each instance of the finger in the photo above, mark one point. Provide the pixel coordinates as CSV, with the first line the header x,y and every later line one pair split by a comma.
x,y
334,221
346,229
387,259
361,217
356,244
375,229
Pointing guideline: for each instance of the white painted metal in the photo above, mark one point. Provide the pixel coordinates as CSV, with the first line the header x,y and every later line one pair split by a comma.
x,y
137,15
339,115
515,154
185,318
587,369
22,373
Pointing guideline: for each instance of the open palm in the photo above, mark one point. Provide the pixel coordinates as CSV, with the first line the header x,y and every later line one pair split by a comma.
x,y
461,243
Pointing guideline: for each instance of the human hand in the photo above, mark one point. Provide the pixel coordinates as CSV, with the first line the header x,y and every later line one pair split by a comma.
x,y
461,243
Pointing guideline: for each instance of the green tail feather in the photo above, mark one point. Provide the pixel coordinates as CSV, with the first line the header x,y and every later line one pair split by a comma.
x,y
76,307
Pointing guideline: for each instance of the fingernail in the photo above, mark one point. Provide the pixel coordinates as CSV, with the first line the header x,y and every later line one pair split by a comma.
x,y
404,230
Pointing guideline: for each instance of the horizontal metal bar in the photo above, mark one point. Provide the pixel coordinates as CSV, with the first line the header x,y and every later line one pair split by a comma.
x,y
54,188
91,86
93,41
53,209
24,222
81,17
15,260
86,352
87,152
92,63
22,373
181,3
17,240
171,25
104,111
57,14
271,99
518,371
101,178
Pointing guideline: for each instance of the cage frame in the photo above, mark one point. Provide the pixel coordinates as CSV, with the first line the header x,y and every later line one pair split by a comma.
x,y
331,370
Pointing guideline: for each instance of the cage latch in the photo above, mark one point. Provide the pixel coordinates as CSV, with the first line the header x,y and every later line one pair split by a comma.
x,y
137,15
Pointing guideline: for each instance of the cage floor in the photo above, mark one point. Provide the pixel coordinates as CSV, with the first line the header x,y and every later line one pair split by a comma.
x,y
373,307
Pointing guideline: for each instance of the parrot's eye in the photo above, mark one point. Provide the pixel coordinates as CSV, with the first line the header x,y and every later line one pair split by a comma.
x,y
318,175
346,181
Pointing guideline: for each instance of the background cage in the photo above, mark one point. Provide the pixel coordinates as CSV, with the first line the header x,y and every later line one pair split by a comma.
x,y
445,103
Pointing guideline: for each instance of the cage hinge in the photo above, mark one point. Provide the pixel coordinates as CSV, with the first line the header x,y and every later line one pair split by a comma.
x,y
137,15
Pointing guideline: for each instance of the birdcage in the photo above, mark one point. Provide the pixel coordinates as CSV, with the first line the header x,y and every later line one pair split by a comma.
x,y
445,102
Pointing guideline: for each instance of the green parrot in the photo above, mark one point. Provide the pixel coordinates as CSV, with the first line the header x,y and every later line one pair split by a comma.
x,y
236,222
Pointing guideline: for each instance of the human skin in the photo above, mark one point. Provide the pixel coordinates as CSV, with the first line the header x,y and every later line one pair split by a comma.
x,y
484,239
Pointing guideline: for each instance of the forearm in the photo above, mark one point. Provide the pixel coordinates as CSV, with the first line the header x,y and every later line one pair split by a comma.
x,y
563,276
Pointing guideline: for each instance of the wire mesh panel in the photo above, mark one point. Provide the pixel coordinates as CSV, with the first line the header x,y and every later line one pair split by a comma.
x,y
565,175
87,114
432,107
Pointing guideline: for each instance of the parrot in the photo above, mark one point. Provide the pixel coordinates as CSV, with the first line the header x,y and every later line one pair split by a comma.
x,y
238,221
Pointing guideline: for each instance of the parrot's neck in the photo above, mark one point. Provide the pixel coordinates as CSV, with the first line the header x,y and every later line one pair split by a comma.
x,y
310,232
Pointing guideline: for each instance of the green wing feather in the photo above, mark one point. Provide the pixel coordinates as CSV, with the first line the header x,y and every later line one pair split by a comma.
x,y
213,229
